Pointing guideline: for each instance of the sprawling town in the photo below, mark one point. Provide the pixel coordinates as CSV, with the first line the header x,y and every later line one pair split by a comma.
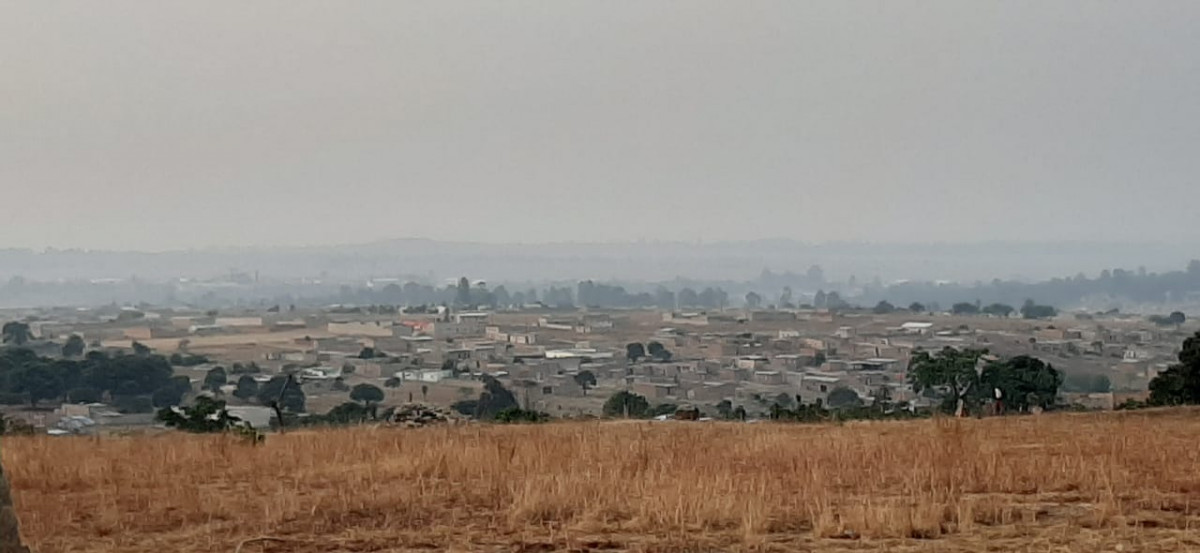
x,y
567,363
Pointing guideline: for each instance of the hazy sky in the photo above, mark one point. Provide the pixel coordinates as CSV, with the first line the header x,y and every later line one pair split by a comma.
x,y
159,124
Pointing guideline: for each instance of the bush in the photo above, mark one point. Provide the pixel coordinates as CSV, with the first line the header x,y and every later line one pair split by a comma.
x,y
206,416
366,393
516,415
344,414
625,403
494,399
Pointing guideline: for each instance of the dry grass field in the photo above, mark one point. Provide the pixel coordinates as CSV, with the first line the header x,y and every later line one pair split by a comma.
x,y
1088,482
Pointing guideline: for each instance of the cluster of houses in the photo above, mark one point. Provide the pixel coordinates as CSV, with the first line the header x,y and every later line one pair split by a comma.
x,y
571,361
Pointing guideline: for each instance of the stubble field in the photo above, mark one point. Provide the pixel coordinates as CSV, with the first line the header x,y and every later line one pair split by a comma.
x,y
1088,482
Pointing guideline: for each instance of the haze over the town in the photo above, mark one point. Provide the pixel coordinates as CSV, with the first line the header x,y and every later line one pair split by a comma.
x,y
167,125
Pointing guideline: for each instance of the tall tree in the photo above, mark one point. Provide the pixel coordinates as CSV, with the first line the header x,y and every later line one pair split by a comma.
x,y
1024,382
247,388
634,351
998,310
1180,383
462,295
626,404
366,394
74,346
494,399
843,397
214,379
16,333
951,373
39,381
586,380
658,351
282,392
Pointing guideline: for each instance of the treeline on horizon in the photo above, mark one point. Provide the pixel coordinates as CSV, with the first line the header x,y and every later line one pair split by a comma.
x,y
1109,289
790,290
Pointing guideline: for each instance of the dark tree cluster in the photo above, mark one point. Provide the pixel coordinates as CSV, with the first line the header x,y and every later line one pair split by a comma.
x,y
1180,383
968,379
1135,286
135,382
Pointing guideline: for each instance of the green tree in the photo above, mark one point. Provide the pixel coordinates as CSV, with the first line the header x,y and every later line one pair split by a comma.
x,y
366,394
494,399
515,415
393,382
141,350
1180,383
214,379
462,295
657,351
951,374
247,388
16,333
1023,381
998,310
586,380
964,308
369,353
349,413
133,404
753,300
424,392
172,393
1177,318
1031,310
282,393
207,415
74,346
83,395
883,308
634,351
166,396
39,381
916,307
626,404
725,408
841,397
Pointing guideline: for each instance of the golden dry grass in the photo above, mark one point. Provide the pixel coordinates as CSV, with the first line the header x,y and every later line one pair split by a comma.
x,y
1095,482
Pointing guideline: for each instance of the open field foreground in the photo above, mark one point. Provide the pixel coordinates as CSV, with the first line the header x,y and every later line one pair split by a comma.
x,y
1087,482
